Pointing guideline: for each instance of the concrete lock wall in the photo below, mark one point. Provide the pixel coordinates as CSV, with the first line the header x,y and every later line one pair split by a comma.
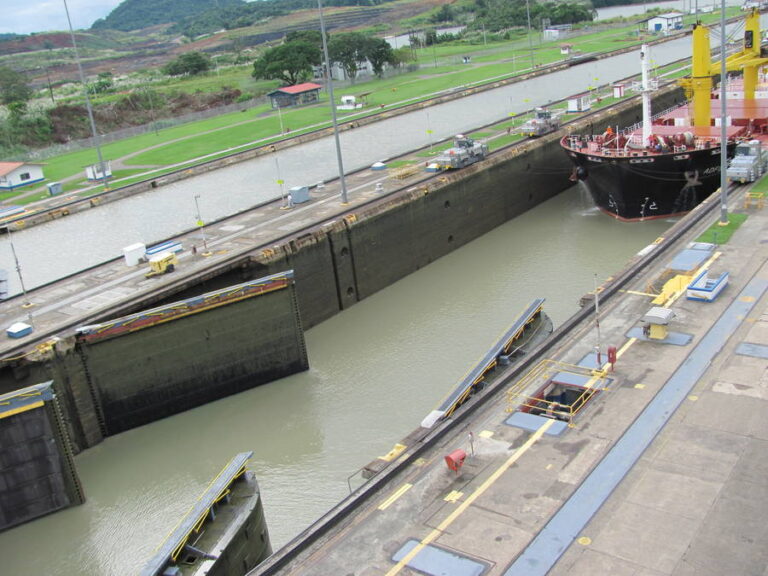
x,y
334,266
146,375
367,251
37,473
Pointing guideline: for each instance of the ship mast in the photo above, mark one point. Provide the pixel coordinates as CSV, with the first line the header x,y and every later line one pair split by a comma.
x,y
646,87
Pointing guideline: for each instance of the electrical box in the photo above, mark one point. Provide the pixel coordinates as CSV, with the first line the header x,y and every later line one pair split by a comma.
x,y
299,194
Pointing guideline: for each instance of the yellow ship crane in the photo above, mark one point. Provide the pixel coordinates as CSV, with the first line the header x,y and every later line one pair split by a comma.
x,y
748,61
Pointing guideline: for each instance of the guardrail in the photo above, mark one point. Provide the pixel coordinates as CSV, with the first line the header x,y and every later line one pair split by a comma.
x,y
193,521
499,352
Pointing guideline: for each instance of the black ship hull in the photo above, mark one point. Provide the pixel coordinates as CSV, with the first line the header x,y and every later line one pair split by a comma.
x,y
643,187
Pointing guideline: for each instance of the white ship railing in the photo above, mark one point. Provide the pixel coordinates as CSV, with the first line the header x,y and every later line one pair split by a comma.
x,y
639,125
633,147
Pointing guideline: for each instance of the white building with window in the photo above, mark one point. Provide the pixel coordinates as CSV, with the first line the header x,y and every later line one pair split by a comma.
x,y
18,174
665,23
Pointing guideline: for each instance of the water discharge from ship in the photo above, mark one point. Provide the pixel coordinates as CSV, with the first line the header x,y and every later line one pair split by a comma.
x,y
586,204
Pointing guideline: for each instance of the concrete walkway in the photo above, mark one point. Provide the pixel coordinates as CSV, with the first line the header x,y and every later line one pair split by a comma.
x,y
663,471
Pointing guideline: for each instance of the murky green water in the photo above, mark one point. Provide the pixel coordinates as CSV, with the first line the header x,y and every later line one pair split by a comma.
x,y
376,370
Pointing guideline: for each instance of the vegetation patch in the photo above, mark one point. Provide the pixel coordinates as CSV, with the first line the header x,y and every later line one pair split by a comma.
x,y
717,234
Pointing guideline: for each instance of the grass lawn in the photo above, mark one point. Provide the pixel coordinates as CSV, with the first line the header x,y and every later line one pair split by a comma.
x,y
717,234
761,185
182,143
504,140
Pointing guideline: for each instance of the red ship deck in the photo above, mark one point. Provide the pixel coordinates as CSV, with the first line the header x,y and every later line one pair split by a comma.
x,y
741,112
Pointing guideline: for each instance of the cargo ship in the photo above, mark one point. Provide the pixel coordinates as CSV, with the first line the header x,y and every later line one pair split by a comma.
x,y
666,165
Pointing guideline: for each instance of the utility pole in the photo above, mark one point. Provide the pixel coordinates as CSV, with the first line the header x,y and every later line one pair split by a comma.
x,y
201,224
530,40
329,80
597,325
96,140
723,115
27,304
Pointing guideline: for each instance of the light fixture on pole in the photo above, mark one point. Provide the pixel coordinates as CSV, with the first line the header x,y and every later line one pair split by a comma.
x,y
148,91
201,224
723,115
26,303
530,40
597,325
280,182
429,130
329,80
95,134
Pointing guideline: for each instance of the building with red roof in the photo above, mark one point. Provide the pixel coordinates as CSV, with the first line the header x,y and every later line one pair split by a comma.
x,y
18,174
296,95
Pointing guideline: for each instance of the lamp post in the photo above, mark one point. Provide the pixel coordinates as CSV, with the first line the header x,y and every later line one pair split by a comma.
x,y
280,117
723,115
280,182
429,130
96,140
329,80
530,40
152,109
201,224
27,303
597,324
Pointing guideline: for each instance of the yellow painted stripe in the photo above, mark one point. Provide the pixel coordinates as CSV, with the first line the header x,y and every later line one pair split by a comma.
x,y
21,409
392,499
636,293
625,347
453,496
432,536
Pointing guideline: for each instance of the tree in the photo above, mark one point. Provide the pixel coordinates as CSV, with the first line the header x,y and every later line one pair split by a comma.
x,y
402,55
311,36
14,91
348,50
379,52
191,63
495,15
291,62
444,14
102,85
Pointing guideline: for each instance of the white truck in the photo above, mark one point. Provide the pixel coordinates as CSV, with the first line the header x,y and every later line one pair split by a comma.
x,y
748,163
465,151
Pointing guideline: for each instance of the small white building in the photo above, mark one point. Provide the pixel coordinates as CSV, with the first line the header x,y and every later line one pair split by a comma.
x,y
18,174
665,23
580,103
364,70
552,33
349,103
